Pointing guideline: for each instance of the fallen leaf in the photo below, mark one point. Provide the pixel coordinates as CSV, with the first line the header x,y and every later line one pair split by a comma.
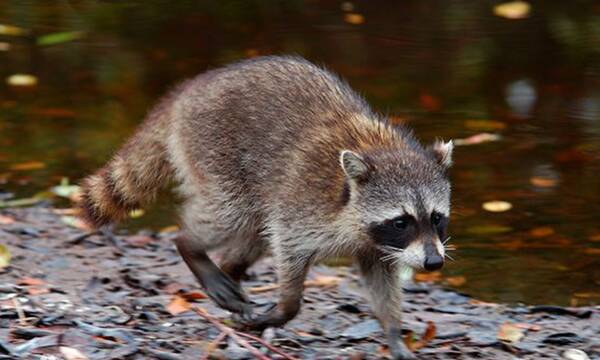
x,y
428,335
430,276
194,295
496,206
540,232
174,288
477,139
169,229
30,281
510,333
354,19
75,222
11,30
319,281
456,280
21,80
138,240
71,353
484,125
543,182
530,327
512,10
29,165
178,305
6,220
4,256
37,290
59,37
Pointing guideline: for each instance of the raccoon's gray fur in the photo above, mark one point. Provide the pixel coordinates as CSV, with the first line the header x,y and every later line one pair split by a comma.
x,y
278,153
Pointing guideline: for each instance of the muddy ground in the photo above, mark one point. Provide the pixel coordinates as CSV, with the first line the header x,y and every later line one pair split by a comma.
x,y
65,295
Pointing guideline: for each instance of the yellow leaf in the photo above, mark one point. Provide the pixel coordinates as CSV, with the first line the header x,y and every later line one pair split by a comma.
x,y
477,139
4,46
29,165
11,30
541,231
21,80
512,10
134,214
496,206
484,125
354,19
456,280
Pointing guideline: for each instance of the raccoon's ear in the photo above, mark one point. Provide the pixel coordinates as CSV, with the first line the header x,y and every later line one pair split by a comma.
x,y
354,165
443,152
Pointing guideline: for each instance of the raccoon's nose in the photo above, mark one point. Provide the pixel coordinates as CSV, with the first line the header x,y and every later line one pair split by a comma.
x,y
434,262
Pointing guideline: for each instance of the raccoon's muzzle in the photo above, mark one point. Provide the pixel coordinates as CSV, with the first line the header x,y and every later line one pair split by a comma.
x,y
433,259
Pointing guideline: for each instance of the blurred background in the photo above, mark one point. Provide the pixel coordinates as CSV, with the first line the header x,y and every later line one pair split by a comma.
x,y
518,83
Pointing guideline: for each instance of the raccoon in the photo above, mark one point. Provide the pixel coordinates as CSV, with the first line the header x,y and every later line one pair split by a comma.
x,y
275,153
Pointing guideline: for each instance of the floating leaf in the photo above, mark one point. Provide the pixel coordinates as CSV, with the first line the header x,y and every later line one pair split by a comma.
x,y
477,139
512,10
456,280
496,206
169,229
4,46
21,80
594,237
4,256
59,37
30,281
542,181
65,189
354,19
484,125
29,165
134,214
510,333
489,229
178,305
430,276
541,231
11,30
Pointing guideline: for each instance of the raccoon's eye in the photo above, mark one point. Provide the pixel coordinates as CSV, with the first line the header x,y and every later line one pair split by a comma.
x,y
399,224
436,218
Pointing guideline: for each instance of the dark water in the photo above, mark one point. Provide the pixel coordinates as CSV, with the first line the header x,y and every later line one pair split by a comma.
x,y
448,68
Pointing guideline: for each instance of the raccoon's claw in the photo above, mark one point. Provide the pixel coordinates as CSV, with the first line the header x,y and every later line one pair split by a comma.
x,y
226,293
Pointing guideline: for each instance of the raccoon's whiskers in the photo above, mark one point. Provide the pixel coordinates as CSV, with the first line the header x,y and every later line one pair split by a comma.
x,y
446,241
449,257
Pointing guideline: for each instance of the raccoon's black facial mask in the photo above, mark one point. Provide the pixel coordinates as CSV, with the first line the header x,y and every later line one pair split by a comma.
x,y
397,232
400,231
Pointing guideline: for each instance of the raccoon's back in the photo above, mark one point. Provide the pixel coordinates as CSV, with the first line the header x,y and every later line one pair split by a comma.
x,y
241,123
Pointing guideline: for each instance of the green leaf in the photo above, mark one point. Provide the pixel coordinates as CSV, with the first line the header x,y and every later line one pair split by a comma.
x,y
59,37
64,189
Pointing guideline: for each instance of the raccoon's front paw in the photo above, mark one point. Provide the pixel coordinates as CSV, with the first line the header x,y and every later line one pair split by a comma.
x,y
227,294
397,347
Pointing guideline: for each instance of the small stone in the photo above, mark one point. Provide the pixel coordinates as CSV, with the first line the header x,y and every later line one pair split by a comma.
x,y
575,354
362,330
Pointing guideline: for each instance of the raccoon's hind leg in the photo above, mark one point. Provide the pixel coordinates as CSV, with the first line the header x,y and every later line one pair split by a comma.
x,y
242,254
203,232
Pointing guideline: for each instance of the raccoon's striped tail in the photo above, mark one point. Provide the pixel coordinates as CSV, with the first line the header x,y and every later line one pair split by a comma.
x,y
133,176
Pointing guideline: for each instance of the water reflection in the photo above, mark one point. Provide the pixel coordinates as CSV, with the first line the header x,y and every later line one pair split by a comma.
x,y
450,69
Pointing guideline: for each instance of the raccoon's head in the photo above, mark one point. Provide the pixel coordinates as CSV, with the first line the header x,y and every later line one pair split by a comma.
x,y
401,198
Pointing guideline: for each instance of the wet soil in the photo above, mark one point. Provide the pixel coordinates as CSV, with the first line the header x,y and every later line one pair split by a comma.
x,y
68,293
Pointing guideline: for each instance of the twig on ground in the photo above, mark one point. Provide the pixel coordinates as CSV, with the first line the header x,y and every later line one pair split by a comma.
x,y
80,237
213,345
235,335
20,312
